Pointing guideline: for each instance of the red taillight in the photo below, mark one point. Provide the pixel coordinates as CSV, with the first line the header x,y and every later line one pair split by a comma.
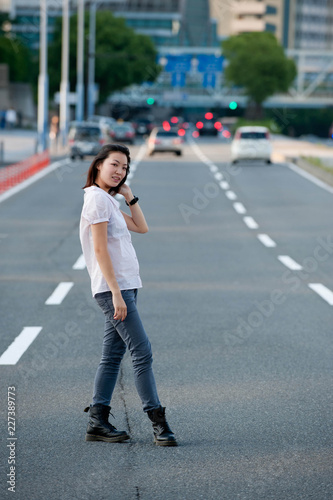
x,y
71,142
267,135
181,132
166,126
199,125
238,135
218,125
177,141
129,134
101,141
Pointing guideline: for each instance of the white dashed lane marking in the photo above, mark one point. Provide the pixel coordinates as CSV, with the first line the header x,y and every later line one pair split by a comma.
x,y
231,195
250,222
290,263
224,185
80,263
324,292
266,240
20,345
239,207
59,293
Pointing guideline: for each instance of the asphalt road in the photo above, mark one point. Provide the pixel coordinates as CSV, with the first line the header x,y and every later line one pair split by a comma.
x,y
242,344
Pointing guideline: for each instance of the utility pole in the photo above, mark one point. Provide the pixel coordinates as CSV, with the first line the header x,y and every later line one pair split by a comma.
x,y
64,85
80,62
43,81
91,60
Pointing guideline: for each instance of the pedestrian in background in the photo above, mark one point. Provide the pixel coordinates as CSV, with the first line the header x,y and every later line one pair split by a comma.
x,y
11,118
114,271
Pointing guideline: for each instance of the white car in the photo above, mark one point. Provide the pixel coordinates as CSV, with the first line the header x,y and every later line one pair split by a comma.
x,y
165,141
251,143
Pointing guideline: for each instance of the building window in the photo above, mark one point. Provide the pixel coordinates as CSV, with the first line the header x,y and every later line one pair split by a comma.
x,y
270,27
271,10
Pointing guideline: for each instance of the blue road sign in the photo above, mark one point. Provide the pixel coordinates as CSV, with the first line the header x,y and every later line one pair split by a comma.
x,y
178,79
210,64
178,63
209,80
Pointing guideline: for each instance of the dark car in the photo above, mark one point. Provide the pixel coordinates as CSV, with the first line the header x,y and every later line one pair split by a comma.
x,y
86,139
123,132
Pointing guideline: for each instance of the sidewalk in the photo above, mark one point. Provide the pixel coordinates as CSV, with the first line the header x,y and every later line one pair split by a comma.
x,y
18,145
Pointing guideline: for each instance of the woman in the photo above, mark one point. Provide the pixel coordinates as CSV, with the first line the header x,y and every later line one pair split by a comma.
x,y
114,272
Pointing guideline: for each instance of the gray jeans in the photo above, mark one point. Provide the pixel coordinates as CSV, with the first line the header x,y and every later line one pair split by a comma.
x,y
118,336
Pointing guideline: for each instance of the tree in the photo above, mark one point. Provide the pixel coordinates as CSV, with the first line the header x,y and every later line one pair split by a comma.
x,y
123,57
258,63
19,59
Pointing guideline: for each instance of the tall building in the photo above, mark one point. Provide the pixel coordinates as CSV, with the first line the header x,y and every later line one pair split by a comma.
x,y
309,24
297,24
244,16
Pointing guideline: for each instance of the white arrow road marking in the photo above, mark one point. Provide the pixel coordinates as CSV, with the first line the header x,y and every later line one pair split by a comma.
x,y
324,292
266,240
20,345
290,263
80,263
250,222
59,293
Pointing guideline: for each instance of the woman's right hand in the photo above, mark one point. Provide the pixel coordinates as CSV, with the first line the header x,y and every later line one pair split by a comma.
x,y
120,308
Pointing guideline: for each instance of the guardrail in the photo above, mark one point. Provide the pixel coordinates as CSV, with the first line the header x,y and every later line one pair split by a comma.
x,y
18,172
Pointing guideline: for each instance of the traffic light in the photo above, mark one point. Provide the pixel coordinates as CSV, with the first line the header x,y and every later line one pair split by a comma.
x,y
233,105
150,101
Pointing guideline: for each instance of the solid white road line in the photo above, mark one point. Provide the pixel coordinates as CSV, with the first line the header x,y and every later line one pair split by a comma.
x,y
290,263
80,263
59,293
224,185
250,222
310,177
324,292
20,345
39,175
266,240
231,195
239,207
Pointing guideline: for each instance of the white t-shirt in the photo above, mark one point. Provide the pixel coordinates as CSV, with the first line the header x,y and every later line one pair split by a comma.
x,y
99,206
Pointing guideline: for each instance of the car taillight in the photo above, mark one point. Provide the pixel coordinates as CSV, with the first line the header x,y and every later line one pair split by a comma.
x,y
238,135
267,135
101,141
129,134
71,142
157,141
177,141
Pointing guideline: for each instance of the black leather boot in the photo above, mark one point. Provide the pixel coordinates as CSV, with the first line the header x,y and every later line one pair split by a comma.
x,y
163,435
99,427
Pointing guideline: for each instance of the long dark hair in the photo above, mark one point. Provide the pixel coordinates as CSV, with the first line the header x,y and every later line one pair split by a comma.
x,y
103,155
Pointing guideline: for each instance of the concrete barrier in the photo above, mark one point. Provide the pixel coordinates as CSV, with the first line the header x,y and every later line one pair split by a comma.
x,y
14,174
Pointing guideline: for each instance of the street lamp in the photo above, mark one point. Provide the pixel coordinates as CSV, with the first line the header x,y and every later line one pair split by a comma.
x,y
43,81
64,85
80,57
91,60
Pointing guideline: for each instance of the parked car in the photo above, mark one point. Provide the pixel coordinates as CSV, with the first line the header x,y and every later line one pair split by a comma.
x,y
123,132
165,141
251,143
86,138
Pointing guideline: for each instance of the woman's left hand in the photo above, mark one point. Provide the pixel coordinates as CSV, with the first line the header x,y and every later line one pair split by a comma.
x,y
126,191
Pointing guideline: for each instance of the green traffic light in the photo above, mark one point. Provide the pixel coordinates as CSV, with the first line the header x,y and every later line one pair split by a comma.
x,y
150,100
233,105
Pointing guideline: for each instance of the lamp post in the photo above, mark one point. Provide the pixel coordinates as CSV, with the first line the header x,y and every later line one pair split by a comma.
x,y
80,62
64,85
91,60
43,81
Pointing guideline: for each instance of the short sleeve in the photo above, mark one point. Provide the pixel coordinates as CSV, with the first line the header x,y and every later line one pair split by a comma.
x,y
97,208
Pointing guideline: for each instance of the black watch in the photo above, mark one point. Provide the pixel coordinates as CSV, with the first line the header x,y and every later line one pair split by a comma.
x,y
132,202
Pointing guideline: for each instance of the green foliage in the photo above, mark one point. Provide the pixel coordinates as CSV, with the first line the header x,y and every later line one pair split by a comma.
x,y
123,57
266,122
257,62
18,57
